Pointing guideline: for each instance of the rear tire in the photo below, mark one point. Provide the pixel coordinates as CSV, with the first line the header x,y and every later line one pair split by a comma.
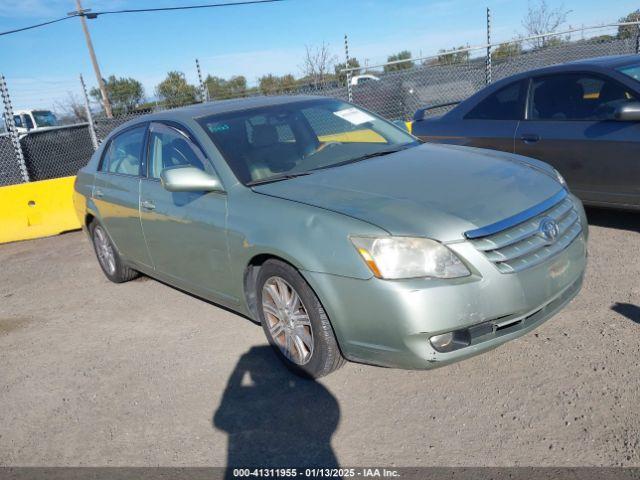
x,y
295,322
108,257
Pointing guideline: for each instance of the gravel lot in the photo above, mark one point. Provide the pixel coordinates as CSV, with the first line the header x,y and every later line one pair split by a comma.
x,y
141,374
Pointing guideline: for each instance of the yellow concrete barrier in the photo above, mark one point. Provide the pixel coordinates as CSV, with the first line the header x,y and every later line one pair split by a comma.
x,y
37,209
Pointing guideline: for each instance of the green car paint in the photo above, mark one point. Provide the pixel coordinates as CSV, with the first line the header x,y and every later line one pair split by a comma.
x,y
206,243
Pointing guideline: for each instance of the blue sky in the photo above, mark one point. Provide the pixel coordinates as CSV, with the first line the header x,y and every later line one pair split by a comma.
x,y
42,65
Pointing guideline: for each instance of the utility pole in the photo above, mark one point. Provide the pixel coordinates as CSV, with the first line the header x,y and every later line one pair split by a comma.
x,y
94,60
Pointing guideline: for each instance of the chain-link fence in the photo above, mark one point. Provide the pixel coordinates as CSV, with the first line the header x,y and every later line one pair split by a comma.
x,y
10,173
55,153
394,90
441,81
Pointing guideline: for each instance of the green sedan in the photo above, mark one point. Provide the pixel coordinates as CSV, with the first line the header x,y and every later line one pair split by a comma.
x,y
340,233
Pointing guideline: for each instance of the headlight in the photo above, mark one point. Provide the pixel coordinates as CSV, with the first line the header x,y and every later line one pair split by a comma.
x,y
408,257
560,178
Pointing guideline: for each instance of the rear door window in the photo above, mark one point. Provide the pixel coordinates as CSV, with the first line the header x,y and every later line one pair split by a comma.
x,y
124,153
505,104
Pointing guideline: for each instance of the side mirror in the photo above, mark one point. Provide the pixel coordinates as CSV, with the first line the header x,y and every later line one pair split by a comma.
x,y
628,112
189,179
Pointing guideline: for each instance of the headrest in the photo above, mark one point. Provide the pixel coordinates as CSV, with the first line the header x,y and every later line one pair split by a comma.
x,y
264,135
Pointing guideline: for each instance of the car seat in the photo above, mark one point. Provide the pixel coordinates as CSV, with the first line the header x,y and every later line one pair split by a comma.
x,y
268,151
558,99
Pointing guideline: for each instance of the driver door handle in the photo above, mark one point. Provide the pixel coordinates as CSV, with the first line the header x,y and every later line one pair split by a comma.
x,y
147,205
97,193
529,137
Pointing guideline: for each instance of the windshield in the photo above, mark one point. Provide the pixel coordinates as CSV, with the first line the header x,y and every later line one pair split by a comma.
x,y
44,118
632,71
292,139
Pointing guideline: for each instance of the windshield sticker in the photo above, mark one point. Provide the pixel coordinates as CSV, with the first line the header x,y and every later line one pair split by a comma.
x,y
354,116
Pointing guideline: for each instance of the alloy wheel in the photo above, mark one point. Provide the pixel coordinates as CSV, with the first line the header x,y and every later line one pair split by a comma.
x,y
287,320
104,250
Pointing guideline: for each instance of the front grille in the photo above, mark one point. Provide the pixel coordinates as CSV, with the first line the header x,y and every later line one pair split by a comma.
x,y
523,245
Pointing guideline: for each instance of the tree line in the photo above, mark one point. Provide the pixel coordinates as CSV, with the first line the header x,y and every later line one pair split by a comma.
x,y
320,70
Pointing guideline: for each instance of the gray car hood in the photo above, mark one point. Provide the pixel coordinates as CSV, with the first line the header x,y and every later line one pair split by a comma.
x,y
437,191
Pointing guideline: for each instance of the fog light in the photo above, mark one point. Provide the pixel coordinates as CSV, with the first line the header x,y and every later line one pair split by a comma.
x,y
442,342
450,341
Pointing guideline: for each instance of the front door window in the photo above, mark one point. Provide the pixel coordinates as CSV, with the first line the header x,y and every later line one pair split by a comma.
x,y
576,97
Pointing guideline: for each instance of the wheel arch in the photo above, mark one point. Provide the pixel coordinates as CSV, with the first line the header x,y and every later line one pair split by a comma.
x,y
250,278
250,291
89,219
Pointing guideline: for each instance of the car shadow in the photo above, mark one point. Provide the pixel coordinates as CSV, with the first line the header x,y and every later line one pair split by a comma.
x,y
610,218
274,418
629,310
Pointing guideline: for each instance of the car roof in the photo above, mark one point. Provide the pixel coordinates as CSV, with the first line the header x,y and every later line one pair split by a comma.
x,y
219,107
16,112
239,104
595,63
610,61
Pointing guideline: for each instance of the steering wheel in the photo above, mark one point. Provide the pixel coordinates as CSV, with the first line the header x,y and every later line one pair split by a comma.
x,y
605,111
322,147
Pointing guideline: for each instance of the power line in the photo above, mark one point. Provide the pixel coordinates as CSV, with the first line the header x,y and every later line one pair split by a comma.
x,y
185,7
37,25
92,15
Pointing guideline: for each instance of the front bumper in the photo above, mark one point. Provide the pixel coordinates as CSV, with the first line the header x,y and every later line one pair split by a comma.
x,y
389,323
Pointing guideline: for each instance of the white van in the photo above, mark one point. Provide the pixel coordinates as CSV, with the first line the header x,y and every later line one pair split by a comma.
x,y
362,79
34,120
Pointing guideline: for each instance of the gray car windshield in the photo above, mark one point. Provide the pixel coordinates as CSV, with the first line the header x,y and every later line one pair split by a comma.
x,y
281,141
632,71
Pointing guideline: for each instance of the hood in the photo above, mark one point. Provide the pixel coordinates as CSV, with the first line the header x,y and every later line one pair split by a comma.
x,y
437,191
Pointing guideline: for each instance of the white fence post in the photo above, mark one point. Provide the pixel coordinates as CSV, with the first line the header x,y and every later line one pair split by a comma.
x,y
488,66
92,128
346,54
204,88
11,128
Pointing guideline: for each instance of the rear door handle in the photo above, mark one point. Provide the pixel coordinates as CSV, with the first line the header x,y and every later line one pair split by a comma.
x,y
529,137
98,193
147,205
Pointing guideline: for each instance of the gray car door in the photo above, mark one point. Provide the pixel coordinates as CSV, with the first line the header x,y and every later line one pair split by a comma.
x,y
185,231
570,124
490,123
116,193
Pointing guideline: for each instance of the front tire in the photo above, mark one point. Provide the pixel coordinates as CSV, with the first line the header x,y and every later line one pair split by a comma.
x,y
295,322
108,258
